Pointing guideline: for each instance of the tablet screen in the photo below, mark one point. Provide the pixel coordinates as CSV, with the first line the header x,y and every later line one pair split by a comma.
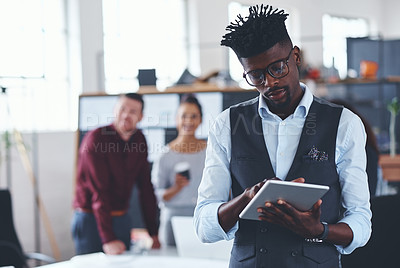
x,y
300,195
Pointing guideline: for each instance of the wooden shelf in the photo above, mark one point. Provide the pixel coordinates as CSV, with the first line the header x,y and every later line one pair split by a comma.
x,y
353,81
193,88
390,167
180,89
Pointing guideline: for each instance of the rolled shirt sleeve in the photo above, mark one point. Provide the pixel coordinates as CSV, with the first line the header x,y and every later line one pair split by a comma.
x,y
93,167
351,166
148,200
215,185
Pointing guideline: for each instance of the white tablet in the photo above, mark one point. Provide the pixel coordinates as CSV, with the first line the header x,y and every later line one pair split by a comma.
x,y
300,195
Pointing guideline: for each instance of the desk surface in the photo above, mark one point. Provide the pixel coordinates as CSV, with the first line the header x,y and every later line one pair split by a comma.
x,y
167,258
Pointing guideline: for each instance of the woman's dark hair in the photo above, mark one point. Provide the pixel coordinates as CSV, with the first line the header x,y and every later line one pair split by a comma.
x,y
371,138
190,98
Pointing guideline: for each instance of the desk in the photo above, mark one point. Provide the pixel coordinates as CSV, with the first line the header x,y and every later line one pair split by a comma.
x,y
165,257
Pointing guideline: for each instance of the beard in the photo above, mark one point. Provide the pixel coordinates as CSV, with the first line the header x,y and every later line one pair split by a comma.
x,y
126,127
279,105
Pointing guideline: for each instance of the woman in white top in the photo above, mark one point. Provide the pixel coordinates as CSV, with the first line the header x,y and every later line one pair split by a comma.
x,y
176,193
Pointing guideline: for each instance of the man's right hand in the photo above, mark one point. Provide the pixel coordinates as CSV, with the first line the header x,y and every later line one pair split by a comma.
x,y
228,213
181,181
114,247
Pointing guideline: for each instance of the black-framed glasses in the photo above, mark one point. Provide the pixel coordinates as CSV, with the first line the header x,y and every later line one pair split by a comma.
x,y
277,69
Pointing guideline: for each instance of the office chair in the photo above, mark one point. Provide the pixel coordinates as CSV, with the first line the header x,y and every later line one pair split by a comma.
x,y
382,250
11,252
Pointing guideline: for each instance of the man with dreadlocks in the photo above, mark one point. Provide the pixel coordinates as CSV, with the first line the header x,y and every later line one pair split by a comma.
x,y
286,133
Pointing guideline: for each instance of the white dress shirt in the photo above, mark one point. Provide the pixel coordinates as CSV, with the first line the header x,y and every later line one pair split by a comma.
x,y
282,138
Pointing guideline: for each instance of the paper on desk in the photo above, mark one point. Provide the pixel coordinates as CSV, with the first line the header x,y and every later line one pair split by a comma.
x,y
100,260
177,262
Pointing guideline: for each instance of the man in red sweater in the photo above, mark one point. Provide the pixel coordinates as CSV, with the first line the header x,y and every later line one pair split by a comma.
x,y
112,159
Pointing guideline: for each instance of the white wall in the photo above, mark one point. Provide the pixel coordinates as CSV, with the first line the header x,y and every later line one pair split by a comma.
x,y
56,156
91,21
208,24
390,19
209,19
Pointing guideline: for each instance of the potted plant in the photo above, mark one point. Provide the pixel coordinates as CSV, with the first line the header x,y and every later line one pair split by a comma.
x,y
390,164
394,108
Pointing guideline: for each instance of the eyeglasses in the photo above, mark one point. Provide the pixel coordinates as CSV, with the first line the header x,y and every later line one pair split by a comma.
x,y
277,69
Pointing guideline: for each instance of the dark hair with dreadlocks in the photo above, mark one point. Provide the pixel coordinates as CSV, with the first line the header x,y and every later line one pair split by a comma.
x,y
261,30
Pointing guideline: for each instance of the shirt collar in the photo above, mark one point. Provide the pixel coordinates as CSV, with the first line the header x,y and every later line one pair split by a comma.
x,y
300,111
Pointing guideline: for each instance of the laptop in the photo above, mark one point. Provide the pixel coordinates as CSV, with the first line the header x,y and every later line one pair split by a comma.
x,y
189,245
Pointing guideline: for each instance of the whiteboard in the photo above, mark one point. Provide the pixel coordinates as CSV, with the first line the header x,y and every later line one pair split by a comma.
x,y
159,114
96,111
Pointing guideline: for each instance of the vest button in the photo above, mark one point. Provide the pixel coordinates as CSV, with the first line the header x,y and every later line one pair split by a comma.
x,y
263,230
294,253
263,250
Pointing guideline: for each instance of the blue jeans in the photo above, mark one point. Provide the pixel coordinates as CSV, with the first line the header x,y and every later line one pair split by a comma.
x,y
86,235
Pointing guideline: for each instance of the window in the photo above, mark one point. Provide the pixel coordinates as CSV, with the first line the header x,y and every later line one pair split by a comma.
x,y
33,66
143,35
335,30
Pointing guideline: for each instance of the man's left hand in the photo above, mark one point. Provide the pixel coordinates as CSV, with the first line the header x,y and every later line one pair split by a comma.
x,y
304,223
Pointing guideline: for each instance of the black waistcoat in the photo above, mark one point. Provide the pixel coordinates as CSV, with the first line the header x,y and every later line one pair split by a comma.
x,y
261,244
